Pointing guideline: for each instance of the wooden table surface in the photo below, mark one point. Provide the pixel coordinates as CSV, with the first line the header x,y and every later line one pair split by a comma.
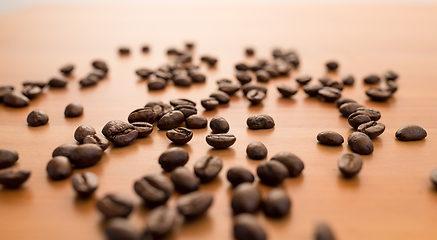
x,y
392,197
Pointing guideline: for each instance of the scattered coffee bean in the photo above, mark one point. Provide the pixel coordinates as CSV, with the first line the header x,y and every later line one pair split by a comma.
x,y
5,90
256,151
182,80
248,87
328,94
85,183
154,189
372,129
323,232
97,139
221,140
146,114
179,135
325,80
73,110
360,143
221,97
82,131
347,109
171,120
13,178
85,155
238,175
433,177
144,129
64,150
209,103
88,81
187,110
108,125
262,76
121,133
303,80
156,84
8,157
272,172
390,75
330,138
208,167
159,107
342,101
15,100
121,229
374,115
144,72
277,203
99,64
410,133
59,168
255,96
348,80
246,199
164,75
243,77
250,51
161,221
194,204
286,91
282,67
293,163
392,86
173,158
183,180
260,121
372,79
196,122
219,125
357,118
332,65
350,164
229,88
37,118
124,50
378,94
115,205
312,89
247,228
197,77
67,69
31,91
58,82
241,67
97,75
271,70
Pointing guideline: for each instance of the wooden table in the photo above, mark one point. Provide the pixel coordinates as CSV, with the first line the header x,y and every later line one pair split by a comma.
x,y
392,197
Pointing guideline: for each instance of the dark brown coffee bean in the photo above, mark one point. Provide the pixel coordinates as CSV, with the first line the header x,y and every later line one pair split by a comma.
x,y
293,59
246,199
249,51
187,110
342,101
13,178
372,129
145,48
183,180
238,175
154,189
31,91
73,110
410,133
194,204
122,134
208,167
182,101
37,84
323,232
161,221
347,109
88,81
58,82
15,100
219,125
146,114
243,77
209,103
332,65
59,168
248,87
256,151
67,69
196,122
223,81
286,91
247,228
108,125
328,94
312,89
260,121
433,177
82,131
97,139
171,120
123,50
291,161
272,173
144,129
99,64
173,158
325,80
221,97
330,138
144,72
271,70
241,67
221,140
156,84
360,143
97,75
392,86
283,67
390,75
159,107
374,115
335,84
172,51
8,157
255,96
164,75
229,88
37,118
356,119
64,150
85,155
121,229
348,80
277,203
197,77
115,205
350,164
182,80
179,135
303,80
85,183
277,53
262,76
372,79
5,90
378,94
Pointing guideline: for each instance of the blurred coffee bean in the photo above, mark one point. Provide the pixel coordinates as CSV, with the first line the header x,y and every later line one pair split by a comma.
x,y
13,178
243,77
357,118
187,110
272,173
229,88
58,82
374,115
146,114
277,204
348,80
156,83
99,64
121,229
303,80
15,100
323,232
182,101
248,87
209,103
286,91
332,65
221,97
246,199
250,51
312,89
372,79
67,69
8,157
194,204
31,91
255,96
350,164
179,135
123,50
154,189
262,76
293,163
390,75
183,180
241,67
378,94
247,228
144,72
207,168
59,168
64,150
161,221
115,205
85,183
173,158
238,175
347,109
328,94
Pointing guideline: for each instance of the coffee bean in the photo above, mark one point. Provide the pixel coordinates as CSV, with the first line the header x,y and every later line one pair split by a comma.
x,y
159,107
115,205
85,155
31,91
144,72
350,164
145,48
271,70
277,203
146,114
303,80
221,140
15,100
410,133
342,101
194,204
221,97
325,80
247,228
374,115
219,125
164,75
323,232
33,83
286,91
88,81
241,67
433,177
246,199
208,167
312,89
144,129
108,125
293,163
171,120
121,229
330,138
392,86
248,87
260,121
187,110
390,75
85,183
348,80
97,139
8,157
283,67
37,118
197,77
97,75
5,90
209,103
262,76
212,61
243,77
161,221
67,69
347,109
223,81
332,65
372,79
99,64
272,173
256,150
378,94
122,134
182,80
13,178
58,82
173,158
82,131
154,189
255,96
229,88
357,118
250,51
64,150
372,129
196,122
123,50
293,59
238,175
59,168
179,135
73,110
156,84
328,94
183,180
360,143
335,84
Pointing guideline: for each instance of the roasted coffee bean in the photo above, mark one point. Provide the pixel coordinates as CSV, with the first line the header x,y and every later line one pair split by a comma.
x,y
328,94
277,203
37,118
161,221
241,67
221,140
5,90
255,96
183,180
291,161
256,150
243,77
325,80
378,94
171,120
115,205
154,189
210,60
192,68
108,125
229,88
156,84
221,97
262,76
97,74
197,77
73,110
122,134
58,82
189,45
209,103
332,65
219,125
145,49
374,115
335,84
271,69
390,75
146,114
121,229
238,175
208,167
330,138
31,91
223,81
247,228
85,183
15,100
159,107
357,118
433,177
392,86
182,101
173,158
372,129
64,150
59,168
342,101
88,81
283,67
372,79
182,80
348,80
37,84
123,50
293,59
272,173
350,164
194,204
13,178
172,51
144,129
196,122
312,89
8,157
99,64
179,135
82,131
250,51
248,87
303,80
286,91
187,110
85,155
360,143
97,139
67,69
144,72
260,121
410,133
347,109
246,198
164,75
323,232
